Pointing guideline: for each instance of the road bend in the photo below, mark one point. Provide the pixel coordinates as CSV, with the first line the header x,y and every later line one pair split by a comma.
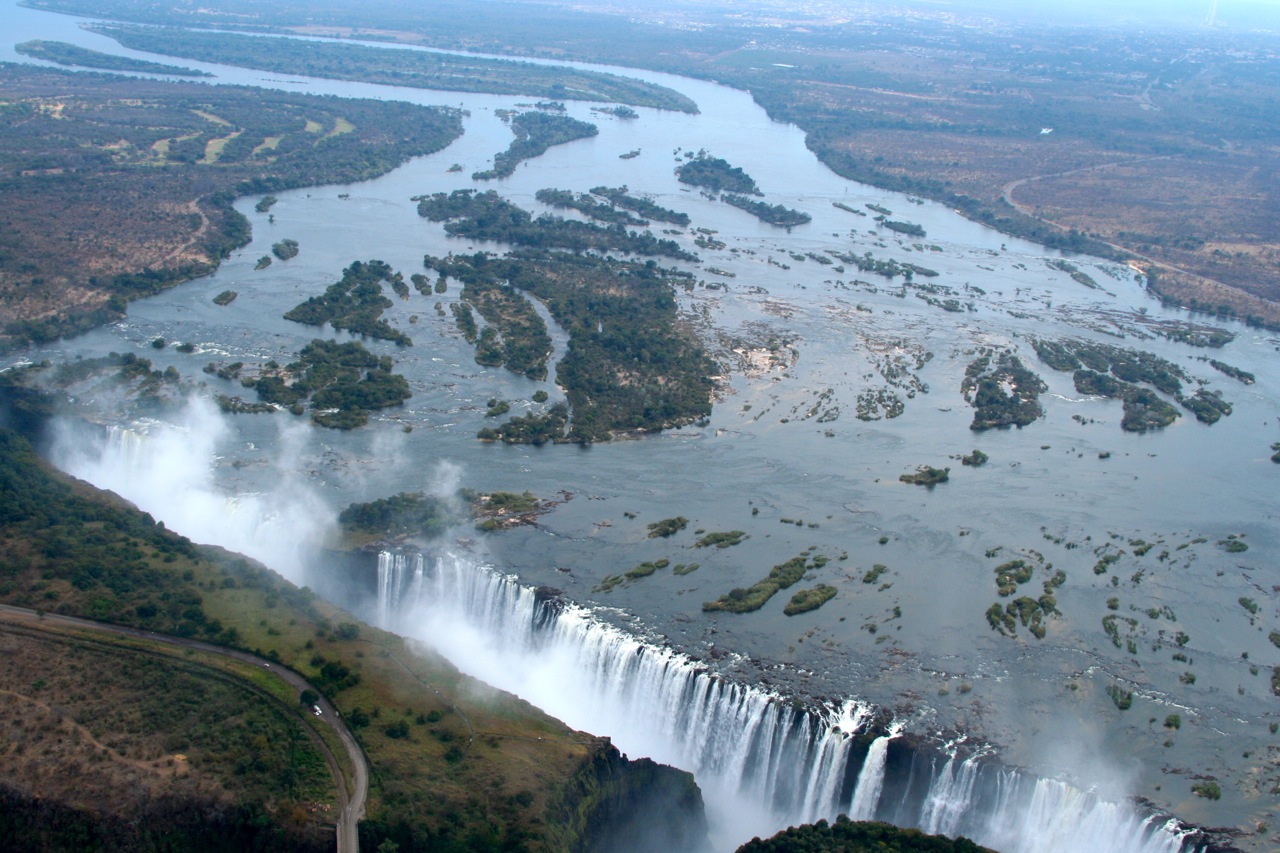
x,y
351,804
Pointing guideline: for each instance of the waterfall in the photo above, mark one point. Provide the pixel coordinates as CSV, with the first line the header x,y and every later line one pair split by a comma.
x,y
764,761
871,778
948,796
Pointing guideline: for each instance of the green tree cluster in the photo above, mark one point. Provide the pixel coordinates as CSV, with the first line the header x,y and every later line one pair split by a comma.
x,y
487,216
716,174
354,303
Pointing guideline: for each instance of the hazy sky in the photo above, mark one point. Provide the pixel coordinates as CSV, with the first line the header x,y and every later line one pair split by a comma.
x,y
1238,12
1232,13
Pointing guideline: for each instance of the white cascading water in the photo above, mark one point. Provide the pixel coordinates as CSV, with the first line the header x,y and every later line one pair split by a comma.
x,y
763,762
168,471
949,794
866,795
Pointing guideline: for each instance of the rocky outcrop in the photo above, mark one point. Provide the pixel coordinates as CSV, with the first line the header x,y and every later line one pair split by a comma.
x,y
616,805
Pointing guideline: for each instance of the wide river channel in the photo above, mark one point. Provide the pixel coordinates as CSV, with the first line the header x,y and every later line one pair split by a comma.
x,y
784,456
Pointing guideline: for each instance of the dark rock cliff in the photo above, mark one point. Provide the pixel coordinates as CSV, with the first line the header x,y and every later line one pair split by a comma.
x,y
616,805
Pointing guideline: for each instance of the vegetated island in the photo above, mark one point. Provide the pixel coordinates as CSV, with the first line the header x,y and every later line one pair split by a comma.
x,y
1031,613
419,516
222,761
355,303
716,174
588,206
128,189
667,527
1002,391
1109,371
926,475
65,53
809,599
285,250
413,68
774,214
647,209
911,229
780,577
630,363
535,133
515,336
488,216
343,382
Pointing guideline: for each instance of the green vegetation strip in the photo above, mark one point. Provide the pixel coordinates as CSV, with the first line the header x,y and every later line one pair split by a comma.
x,y
780,577
535,133
488,216
413,68
644,207
64,53
773,214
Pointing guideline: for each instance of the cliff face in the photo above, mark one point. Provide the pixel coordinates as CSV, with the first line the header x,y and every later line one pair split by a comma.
x,y
616,805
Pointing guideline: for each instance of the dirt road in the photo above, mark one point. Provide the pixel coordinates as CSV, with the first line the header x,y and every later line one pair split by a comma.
x,y
351,804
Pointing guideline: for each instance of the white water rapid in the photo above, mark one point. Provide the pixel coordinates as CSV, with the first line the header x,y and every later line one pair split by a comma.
x,y
764,762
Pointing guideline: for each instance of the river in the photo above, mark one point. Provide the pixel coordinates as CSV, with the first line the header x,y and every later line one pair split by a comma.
x,y
777,460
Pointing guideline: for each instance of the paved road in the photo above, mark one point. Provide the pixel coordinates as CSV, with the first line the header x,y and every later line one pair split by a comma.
x,y
350,804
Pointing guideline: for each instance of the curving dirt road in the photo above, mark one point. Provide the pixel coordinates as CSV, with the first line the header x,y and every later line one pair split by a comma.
x,y
351,804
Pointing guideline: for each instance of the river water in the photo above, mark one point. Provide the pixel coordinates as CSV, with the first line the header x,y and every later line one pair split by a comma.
x,y
777,460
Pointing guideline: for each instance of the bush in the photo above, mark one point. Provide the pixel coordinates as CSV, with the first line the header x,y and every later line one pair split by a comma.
x,y
1209,790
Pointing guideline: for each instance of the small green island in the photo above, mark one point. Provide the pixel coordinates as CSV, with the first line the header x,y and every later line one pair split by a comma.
x,y
588,206
1002,391
354,303
908,228
927,475
535,133
1106,370
773,214
343,382
285,250
780,577
717,175
667,527
809,599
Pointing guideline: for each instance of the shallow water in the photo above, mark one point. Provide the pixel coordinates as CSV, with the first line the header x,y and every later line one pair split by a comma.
x,y
1043,702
